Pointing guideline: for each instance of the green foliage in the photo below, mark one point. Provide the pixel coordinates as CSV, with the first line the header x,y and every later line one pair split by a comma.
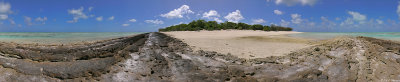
x,y
213,25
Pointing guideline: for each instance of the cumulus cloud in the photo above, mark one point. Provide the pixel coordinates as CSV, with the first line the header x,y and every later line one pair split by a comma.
x,y
258,21
296,18
100,18
295,2
218,20
212,14
5,9
3,16
327,23
12,22
178,13
154,21
278,12
90,8
284,23
28,21
379,21
398,10
132,20
234,16
111,18
337,18
125,25
78,14
41,20
356,17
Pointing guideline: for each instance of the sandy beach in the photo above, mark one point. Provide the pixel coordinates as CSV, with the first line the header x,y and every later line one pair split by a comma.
x,y
242,43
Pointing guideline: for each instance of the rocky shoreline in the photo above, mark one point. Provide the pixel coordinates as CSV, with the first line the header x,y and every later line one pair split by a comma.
x,y
158,57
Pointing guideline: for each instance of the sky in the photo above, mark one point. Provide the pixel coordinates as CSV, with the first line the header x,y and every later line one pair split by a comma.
x,y
150,15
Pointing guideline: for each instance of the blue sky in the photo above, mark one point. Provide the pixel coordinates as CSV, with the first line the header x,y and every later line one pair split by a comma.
x,y
149,15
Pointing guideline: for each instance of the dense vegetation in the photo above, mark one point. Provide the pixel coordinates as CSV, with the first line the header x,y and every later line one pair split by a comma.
x,y
213,25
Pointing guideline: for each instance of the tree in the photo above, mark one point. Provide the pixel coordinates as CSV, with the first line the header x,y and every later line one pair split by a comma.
x,y
197,25
266,28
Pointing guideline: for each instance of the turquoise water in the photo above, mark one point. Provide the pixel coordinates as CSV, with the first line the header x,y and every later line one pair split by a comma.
x,y
60,37
328,35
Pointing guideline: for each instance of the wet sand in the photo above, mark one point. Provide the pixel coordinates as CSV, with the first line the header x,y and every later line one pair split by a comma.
x,y
242,43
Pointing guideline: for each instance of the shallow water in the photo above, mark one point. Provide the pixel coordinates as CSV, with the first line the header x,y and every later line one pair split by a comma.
x,y
60,38
328,35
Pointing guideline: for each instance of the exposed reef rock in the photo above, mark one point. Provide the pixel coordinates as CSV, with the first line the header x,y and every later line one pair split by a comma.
x,y
157,57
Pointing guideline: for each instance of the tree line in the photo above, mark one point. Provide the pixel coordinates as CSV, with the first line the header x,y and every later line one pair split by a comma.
x,y
213,25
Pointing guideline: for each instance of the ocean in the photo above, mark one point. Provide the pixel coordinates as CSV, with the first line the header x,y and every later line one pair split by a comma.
x,y
60,37
328,35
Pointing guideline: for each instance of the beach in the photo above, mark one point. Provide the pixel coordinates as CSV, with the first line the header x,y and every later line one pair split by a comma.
x,y
159,57
52,38
247,44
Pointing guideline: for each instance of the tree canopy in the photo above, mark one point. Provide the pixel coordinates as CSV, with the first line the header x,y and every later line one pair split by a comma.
x,y
213,25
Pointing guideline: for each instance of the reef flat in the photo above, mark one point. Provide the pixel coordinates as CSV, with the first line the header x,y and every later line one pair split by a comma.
x,y
157,57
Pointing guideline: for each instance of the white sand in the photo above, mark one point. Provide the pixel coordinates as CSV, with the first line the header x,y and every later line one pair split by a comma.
x,y
242,43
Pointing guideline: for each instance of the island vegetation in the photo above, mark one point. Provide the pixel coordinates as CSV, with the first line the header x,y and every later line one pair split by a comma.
x,y
197,25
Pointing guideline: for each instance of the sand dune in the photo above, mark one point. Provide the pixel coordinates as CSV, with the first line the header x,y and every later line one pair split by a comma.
x,y
242,43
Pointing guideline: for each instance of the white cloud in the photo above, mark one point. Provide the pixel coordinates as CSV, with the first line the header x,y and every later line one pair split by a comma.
x,y
125,25
100,18
154,21
3,16
211,13
379,21
296,18
12,22
132,20
348,21
311,24
278,12
40,19
111,18
234,16
295,2
398,10
28,21
78,14
5,9
327,23
337,18
258,21
178,13
218,20
284,23
90,8
356,17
